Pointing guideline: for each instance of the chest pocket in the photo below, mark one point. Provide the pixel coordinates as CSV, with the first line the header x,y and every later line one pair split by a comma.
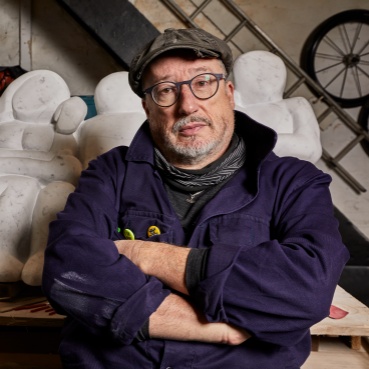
x,y
142,225
239,230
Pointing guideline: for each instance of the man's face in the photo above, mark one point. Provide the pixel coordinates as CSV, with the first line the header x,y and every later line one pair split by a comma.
x,y
191,133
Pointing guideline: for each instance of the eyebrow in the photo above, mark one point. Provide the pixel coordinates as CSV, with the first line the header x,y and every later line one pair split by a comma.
x,y
194,70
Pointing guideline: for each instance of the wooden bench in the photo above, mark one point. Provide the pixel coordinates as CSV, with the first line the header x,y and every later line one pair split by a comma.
x,y
10,316
354,325
341,343
29,339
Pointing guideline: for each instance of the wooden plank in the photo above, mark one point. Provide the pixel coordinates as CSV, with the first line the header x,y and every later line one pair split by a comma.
x,y
12,304
35,320
337,360
315,340
355,342
10,316
355,323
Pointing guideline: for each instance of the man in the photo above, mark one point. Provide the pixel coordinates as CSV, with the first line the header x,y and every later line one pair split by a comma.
x,y
196,247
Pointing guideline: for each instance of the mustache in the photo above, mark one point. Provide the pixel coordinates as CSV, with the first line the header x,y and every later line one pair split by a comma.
x,y
184,121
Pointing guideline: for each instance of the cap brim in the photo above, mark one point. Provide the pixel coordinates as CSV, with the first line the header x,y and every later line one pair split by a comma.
x,y
200,52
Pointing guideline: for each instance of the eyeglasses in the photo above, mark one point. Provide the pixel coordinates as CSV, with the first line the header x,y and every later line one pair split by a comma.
x,y
203,86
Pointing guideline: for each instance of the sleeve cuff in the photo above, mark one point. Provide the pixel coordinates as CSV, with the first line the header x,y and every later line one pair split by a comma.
x,y
195,268
143,334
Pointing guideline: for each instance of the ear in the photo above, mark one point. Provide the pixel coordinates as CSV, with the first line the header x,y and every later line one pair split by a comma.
x,y
145,107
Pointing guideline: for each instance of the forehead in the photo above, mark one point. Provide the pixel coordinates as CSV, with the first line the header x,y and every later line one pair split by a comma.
x,y
174,68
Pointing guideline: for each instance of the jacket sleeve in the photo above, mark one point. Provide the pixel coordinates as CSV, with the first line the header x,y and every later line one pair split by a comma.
x,y
279,287
84,275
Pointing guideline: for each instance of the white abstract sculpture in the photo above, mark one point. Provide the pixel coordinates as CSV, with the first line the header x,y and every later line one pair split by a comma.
x,y
260,79
38,168
119,115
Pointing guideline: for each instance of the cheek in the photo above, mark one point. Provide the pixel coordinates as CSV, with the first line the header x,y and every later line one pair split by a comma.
x,y
154,127
160,120
158,128
223,111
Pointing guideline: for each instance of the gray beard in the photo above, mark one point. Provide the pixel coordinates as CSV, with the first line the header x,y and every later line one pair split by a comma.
x,y
191,155
194,154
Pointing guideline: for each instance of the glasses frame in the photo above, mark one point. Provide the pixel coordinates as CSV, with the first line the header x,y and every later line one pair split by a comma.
x,y
178,85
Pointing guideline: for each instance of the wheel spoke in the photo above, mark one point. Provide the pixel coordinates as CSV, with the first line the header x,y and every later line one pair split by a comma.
x,y
364,62
343,70
362,49
326,68
343,82
333,45
356,37
345,38
362,70
357,80
328,56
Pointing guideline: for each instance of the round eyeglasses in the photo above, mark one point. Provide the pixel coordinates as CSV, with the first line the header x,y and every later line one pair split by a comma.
x,y
203,86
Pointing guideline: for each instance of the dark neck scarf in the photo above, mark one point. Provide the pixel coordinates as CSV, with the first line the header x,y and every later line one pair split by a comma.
x,y
213,174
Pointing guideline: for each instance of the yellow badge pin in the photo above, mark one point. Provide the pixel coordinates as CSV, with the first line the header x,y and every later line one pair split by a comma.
x,y
128,234
152,231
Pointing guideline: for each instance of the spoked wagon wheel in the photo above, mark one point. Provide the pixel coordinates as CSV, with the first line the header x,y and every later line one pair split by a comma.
x,y
336,56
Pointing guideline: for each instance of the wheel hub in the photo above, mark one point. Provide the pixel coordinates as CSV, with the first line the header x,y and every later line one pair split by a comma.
x,y
351,60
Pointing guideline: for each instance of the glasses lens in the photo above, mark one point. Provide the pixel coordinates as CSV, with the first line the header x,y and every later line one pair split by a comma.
x,y
204,86
165,93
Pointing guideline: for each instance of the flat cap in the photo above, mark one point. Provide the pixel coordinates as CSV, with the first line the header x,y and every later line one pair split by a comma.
x,y
202,43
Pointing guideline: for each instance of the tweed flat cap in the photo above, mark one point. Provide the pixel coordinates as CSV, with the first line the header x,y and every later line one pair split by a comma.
x,y
202,43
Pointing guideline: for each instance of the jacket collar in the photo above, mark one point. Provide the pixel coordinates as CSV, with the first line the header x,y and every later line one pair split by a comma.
x,y
260,139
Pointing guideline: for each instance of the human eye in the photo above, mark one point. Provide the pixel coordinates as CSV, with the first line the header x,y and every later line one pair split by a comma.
x,y
165,89
202,81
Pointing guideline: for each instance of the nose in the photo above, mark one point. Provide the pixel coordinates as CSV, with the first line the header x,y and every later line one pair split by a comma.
x,y
187,102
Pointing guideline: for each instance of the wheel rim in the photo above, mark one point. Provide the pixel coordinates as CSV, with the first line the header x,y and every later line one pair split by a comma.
x,y
341,61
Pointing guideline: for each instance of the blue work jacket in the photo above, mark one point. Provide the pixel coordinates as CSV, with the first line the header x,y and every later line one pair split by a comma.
x,y
275,257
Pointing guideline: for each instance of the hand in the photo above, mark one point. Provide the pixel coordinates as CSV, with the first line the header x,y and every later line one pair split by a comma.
x,y
234,335
178,319
128,248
